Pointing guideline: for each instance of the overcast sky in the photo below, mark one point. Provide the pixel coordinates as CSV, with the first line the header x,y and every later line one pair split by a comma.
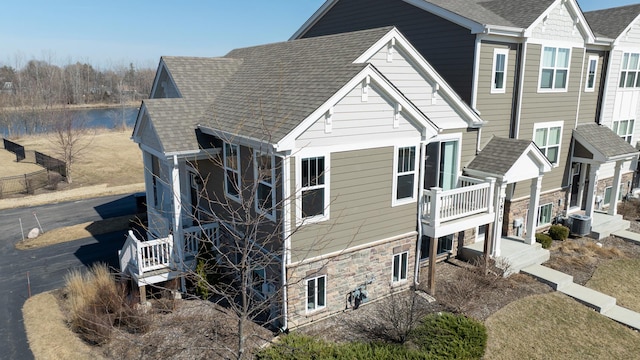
x,y
117,32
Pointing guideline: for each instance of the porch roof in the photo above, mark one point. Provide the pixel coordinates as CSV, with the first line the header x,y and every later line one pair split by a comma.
x,y
603,144
510,160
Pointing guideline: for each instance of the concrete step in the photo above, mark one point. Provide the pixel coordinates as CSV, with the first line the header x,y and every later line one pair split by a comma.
x,y
624,316
627,235
605,229
593,299
554,278
527,260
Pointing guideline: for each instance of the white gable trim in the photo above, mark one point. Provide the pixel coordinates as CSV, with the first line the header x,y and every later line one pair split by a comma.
x,y
531,158
448,15
582,24
136,136
428,128
623,34
402,44
162,65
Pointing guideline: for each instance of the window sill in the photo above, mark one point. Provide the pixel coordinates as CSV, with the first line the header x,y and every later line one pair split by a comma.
x,y
315,311
543,91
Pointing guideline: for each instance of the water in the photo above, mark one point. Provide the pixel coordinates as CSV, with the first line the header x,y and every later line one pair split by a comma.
x,y
108,118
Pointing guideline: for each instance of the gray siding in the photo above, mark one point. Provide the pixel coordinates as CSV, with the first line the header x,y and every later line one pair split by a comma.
x,y
147,135
448,47
165,87
550,106
590,99
496,108
360,209
468,145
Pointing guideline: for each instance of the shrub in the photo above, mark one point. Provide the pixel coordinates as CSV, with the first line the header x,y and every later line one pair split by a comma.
x,y
449,336
559,232
544,239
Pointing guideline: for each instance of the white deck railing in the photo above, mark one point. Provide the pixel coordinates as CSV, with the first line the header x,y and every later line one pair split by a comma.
x,y
138,257
471,197
195,234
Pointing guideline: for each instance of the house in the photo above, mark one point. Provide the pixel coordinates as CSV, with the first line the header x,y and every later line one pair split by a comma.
x,y
346,149
533,71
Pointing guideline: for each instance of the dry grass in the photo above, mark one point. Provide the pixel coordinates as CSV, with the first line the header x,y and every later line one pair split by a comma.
x,y
619,279
12,168
580,257
48,334
77,232
111,158
553,326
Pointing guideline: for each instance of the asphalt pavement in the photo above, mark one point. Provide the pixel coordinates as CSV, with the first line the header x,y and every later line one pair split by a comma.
x,y
46,267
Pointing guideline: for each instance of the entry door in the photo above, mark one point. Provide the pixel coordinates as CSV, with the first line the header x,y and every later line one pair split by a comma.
x,y
576,171
441,165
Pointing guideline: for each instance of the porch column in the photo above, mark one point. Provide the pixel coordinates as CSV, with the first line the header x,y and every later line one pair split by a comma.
x,y
532,215
615,188
582,181
177,212
594,172
501,194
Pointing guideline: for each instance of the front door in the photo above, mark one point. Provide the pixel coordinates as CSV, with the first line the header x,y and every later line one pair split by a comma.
x,y
578,193
441,165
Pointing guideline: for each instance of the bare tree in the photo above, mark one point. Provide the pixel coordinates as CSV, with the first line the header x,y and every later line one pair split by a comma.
x,y
70,137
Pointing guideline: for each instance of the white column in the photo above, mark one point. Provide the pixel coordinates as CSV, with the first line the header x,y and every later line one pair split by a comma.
x,y
532,215
594,172
176,198
582,181
501,194
615,188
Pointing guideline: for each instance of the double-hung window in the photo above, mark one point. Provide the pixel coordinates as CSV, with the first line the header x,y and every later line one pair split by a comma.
x,y
314,190
499,75
232,171
554,69
629,77
405,175
548,137
607,194
316,293
544,214
591,74
400,264
264,173
624,129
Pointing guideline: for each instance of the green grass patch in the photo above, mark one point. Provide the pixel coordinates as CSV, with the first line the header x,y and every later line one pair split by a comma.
x,y
554,326
619,278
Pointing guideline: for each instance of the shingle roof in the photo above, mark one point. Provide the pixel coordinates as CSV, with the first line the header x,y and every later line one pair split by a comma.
x,y
604,140
261,92
612,22
513,13
499,155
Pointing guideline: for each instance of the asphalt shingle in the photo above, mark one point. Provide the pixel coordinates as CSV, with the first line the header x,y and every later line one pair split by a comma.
x,y
604,140
499,155
612,22
513,13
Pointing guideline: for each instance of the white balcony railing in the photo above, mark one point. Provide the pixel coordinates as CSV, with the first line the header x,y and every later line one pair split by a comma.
x,y
138,257
195,234
471,197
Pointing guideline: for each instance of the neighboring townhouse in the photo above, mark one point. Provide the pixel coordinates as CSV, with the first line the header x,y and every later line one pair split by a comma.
x,y
347,148
533,70
620,103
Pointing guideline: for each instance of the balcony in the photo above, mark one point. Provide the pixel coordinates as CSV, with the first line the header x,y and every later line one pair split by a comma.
x,y
469,205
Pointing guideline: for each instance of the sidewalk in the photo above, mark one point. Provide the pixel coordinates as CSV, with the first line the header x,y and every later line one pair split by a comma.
x,y
69,195
604,304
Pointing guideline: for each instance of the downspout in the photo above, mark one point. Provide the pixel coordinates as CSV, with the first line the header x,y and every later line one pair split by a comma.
x,y
580,89
286,234
423,150
522,62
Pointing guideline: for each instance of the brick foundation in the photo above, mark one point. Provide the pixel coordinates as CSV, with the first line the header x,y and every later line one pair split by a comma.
x,y
605,183
345,272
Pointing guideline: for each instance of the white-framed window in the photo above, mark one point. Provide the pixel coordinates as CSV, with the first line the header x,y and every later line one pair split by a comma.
x,y
444,245
499,74
313,180
258,280
400,265
607,194
624,129
232,177
548,137
264,176
545,214
155,181
630,74
404,175
592,69
316,293
554,68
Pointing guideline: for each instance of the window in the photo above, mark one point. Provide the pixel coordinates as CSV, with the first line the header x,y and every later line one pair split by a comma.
x,y
499,76
314,189
548,137
630,70
264,174
591,73
441,164
405,175
155,174
258,277
445,244
544,214
400,262
316,293
607,194
624,128
554,70
232,171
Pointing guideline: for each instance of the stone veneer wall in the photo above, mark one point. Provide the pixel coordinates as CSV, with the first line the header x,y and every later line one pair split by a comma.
x,y
605,183
518,209
345,272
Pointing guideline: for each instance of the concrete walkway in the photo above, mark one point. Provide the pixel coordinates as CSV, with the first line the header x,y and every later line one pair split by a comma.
x,y
627,235
604,304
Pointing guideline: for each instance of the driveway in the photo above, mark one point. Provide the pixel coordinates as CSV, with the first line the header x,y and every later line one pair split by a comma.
x,y
47,266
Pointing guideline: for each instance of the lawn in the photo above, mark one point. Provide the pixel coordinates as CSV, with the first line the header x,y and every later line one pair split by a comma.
x,y
619,278
554,326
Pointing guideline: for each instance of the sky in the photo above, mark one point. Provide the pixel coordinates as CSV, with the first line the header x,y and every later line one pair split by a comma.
x,y
118,32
